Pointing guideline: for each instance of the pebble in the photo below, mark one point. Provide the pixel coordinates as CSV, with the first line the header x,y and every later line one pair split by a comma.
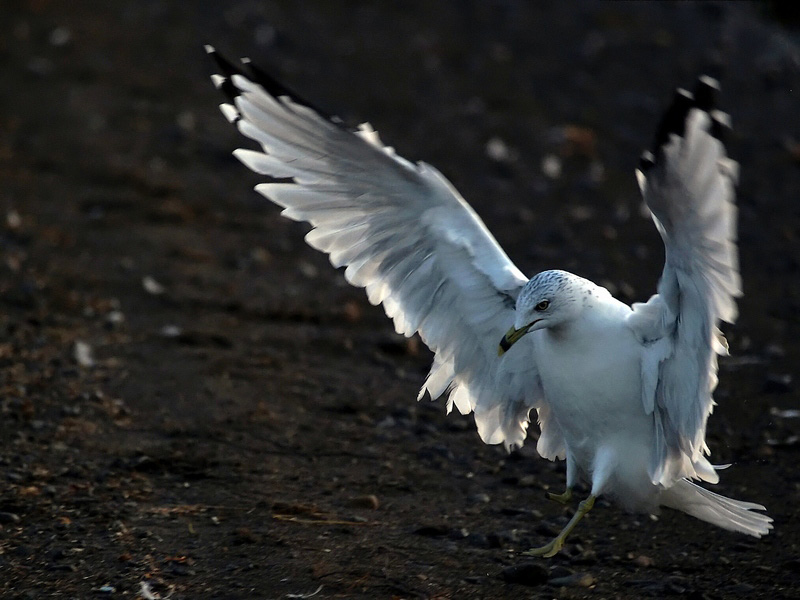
x,y
789,413
551,166
13,219
244,536
574,580
497,150
114,318
369,501
83,354
60,36
171,331
778,384
643,561
480,498
478,540
432,530
560,571
9,517
151,286
525,574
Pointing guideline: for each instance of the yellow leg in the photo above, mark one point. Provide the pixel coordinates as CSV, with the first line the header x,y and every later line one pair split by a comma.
x,y
564,498
551,549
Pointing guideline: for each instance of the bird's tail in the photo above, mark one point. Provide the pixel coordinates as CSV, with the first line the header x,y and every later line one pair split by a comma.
x,y
727,513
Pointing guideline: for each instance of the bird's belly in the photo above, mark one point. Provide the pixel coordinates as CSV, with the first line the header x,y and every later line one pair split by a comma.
x,y
590,391
595,397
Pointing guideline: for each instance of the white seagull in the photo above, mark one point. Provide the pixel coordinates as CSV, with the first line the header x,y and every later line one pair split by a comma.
x,y
622,393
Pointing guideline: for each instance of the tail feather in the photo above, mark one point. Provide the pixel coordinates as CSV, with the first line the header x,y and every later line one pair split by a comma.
x,y
727,513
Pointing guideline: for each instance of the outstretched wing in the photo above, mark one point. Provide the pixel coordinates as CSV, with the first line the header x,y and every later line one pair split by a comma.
x,y
404,233
688,184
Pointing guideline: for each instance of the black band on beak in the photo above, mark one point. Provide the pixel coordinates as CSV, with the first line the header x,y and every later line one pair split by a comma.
x,y
512,337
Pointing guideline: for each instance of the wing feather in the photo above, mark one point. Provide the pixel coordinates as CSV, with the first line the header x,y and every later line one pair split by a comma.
x,y
402,232
688,184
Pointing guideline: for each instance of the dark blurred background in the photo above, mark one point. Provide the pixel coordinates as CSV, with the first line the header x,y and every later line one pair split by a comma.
x,y
195,404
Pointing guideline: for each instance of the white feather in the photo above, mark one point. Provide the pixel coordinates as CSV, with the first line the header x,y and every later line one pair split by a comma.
x,y
405,234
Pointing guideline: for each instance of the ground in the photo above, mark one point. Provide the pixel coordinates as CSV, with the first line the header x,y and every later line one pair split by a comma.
x,y
195,405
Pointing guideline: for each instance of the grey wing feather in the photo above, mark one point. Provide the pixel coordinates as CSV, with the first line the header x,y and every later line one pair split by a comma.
x,y
402,232
688,184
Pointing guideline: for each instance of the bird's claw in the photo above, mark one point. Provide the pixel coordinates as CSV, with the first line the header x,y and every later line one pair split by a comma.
x,y
548,550
564,498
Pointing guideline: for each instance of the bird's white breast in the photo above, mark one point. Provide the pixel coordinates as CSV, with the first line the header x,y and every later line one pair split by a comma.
x,y
591,375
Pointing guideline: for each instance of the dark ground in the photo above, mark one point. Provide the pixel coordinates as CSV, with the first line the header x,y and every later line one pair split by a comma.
x,y
251,432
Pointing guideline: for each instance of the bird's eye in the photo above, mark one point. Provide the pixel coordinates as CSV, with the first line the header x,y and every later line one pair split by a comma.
x,y
543,305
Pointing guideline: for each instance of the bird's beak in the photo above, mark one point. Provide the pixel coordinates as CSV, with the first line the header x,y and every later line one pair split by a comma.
x,y
512,337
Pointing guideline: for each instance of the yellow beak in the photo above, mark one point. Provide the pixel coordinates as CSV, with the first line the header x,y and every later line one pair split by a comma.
x,y
511,338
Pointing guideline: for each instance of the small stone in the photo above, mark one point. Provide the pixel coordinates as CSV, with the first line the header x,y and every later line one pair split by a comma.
x,y
115,317
789,413
13,220
352,311
307,269
575,580
83,354
369,501
432,530
778,384
525,574
186,121
9,517
643,561
40,66
60,36
497,150
14,477
560,571
478,540
551,166
151,286
480,498
171,331
244,536
528,481
775,351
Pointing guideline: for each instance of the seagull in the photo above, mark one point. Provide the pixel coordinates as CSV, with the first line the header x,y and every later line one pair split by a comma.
x,y
621,393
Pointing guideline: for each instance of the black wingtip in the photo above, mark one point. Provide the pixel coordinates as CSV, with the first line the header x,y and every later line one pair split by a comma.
x,y
259,76
720,125
674,120
705,93
227,69
646,161
277,89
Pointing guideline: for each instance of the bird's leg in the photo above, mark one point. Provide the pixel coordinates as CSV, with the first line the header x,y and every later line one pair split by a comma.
x,y
572,479
564,498
551,549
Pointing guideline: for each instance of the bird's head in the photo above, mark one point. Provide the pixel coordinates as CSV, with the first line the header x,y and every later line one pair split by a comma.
x,y
549,299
